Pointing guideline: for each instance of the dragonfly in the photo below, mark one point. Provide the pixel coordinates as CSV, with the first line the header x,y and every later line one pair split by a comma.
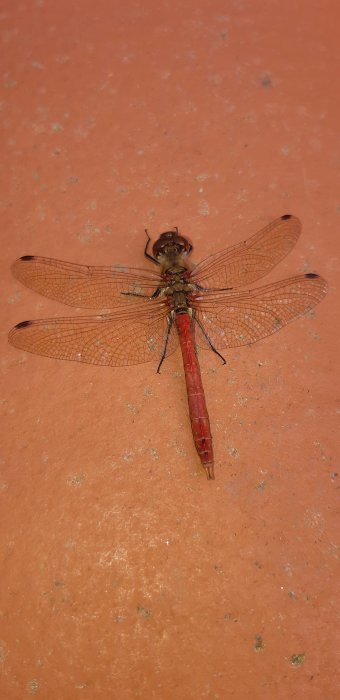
x,y
143,314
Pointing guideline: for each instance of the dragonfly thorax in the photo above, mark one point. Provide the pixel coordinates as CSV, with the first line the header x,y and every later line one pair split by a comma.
x,y
178,292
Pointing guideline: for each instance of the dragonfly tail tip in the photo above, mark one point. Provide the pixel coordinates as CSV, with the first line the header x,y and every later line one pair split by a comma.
x,y
209,468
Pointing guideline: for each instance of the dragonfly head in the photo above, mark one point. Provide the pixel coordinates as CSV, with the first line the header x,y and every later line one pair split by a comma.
x,y
170,245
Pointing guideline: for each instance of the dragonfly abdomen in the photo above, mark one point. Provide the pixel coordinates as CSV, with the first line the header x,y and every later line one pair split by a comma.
x,y
197,407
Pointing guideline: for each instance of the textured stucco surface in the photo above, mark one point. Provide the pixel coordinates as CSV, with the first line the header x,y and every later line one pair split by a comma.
x,y
124,573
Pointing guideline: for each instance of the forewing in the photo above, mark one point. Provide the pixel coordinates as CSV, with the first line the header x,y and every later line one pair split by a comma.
x,y
250,260
231,319
86,286
132,337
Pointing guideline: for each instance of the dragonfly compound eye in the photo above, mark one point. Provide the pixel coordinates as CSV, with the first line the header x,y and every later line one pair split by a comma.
x,y
171,243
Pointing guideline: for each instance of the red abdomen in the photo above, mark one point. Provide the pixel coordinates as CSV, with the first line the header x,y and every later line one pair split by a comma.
x,y
197,407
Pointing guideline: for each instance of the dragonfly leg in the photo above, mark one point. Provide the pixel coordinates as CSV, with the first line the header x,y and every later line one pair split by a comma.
x,y
170,322
212,289
209,341
147,255
154,295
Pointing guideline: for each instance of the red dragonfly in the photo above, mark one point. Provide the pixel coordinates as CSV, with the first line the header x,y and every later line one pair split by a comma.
x,y
143,313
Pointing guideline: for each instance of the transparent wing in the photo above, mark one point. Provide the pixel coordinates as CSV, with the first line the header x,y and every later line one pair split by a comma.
x,y
130,337
86,286
231,319
250,260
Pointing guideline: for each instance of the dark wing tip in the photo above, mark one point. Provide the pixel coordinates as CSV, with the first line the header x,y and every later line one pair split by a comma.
x,y
286,216
312,275
22,324
27,257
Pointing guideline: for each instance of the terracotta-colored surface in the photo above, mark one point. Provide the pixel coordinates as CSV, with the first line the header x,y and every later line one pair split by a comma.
x,y
124,573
